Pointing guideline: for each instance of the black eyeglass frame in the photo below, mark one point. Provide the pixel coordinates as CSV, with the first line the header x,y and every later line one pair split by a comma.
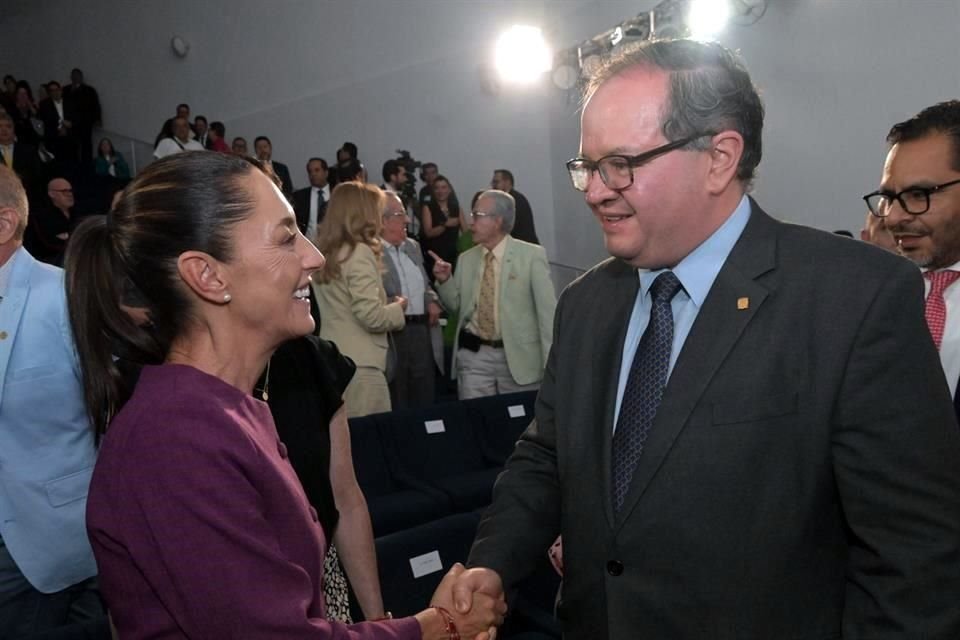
x,y
632,161
890,197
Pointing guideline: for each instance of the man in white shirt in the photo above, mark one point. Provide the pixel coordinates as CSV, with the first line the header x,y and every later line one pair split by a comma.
x,y
919,201
57,116
413,382
310,204
180,141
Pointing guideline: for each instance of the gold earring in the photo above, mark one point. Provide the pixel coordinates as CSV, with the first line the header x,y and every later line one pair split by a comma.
x,y
227,297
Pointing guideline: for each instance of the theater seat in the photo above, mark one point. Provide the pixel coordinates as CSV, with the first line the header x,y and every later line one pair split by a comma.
x,y
439,446
504,418
412,562
392,506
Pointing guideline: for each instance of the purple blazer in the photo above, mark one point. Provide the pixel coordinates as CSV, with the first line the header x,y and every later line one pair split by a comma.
x,y
199,525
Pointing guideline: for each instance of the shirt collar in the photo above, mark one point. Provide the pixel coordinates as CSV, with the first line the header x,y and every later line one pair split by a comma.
x,y
498,250
954,267
699,269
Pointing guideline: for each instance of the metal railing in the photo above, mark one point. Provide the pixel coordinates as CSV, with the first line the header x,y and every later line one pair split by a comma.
x,y
564,274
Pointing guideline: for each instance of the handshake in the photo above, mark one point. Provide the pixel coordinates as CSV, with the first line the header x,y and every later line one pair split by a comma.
x,y
468,605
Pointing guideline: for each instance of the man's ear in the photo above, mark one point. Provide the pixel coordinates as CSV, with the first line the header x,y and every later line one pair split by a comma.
x,y
9,219
204,275
725,154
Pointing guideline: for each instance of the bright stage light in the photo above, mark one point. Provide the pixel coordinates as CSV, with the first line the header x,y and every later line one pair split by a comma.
x,y
522,54
707,18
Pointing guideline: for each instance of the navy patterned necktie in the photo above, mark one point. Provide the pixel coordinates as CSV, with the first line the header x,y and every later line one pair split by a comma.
x,y
645,383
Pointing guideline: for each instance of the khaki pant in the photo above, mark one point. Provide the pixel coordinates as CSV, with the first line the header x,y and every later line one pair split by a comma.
x,y
367,393
485,373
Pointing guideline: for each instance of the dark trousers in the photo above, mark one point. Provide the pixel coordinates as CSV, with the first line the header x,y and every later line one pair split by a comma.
x,y
27,613
414,382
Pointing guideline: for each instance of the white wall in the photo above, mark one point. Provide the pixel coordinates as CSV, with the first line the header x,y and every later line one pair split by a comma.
x,y
388,74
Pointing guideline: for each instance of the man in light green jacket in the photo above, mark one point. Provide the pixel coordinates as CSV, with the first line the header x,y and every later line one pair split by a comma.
x,y
505,299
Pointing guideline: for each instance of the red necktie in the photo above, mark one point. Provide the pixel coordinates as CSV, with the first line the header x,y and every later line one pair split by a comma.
x,y
936,308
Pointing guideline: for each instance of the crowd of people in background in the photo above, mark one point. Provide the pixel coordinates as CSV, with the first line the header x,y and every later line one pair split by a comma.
x,y
748,346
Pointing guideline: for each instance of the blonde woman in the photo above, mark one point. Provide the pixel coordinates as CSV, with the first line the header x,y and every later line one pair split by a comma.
x,y
354,312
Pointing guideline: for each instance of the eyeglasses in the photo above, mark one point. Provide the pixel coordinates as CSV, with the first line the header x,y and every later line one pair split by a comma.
x,y
62,190
616,171
915,200
479,214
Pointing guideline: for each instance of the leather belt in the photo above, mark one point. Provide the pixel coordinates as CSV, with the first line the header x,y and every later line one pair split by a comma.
x,y
473,342
421,319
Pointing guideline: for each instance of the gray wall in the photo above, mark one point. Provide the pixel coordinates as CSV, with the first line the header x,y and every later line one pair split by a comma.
x,y
391,74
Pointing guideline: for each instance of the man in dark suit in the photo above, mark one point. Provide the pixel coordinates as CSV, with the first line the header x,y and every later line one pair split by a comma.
x,y
919,204
310,204
22,158
525,229
86,113
56,112
264,150
763,446
413,381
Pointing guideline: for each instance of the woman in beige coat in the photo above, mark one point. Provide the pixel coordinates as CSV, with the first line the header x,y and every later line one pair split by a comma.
x,y
354,312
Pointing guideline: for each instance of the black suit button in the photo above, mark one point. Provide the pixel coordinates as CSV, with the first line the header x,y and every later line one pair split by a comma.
x,y
614,567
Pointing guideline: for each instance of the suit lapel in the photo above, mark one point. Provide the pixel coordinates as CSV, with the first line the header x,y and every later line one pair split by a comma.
x,y
716,330
610,331
505,272
11,309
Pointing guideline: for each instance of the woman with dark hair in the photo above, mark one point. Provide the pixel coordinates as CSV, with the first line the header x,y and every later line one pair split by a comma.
x,y
440,220
8,94
110,162
198,523
25,122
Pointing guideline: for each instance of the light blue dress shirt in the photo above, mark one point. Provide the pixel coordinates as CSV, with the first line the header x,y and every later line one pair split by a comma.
x,y
696,273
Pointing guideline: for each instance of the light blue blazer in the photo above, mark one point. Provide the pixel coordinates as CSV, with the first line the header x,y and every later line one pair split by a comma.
x,y
46,445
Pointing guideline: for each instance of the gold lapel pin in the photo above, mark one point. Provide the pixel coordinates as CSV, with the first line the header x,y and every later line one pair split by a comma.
x,y
743,303
3,335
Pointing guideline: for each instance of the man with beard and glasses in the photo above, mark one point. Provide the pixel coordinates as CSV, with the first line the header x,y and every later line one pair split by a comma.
x,y
919,202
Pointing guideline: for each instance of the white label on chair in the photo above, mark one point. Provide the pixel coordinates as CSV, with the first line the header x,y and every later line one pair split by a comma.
x,y
516,411
434,426
426,564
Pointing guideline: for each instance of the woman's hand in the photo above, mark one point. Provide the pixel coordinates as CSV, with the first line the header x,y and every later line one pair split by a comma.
x,y
452,223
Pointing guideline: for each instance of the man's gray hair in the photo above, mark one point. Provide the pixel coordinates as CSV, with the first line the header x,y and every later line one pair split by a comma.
x,y
13,195
710,91
386,201
504,207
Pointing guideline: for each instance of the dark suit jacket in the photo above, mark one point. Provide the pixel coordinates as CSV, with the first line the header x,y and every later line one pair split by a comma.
x,y
284,174
301,208
47,112
800,480
523,227
27,165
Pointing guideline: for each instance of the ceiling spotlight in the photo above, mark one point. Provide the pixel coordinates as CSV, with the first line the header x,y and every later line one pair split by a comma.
x,y
707,18
522,54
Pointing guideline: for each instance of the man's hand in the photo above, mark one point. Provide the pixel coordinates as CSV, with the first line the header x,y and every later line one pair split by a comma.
x,y
433,312
473,581
483,605
441,268
401,301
